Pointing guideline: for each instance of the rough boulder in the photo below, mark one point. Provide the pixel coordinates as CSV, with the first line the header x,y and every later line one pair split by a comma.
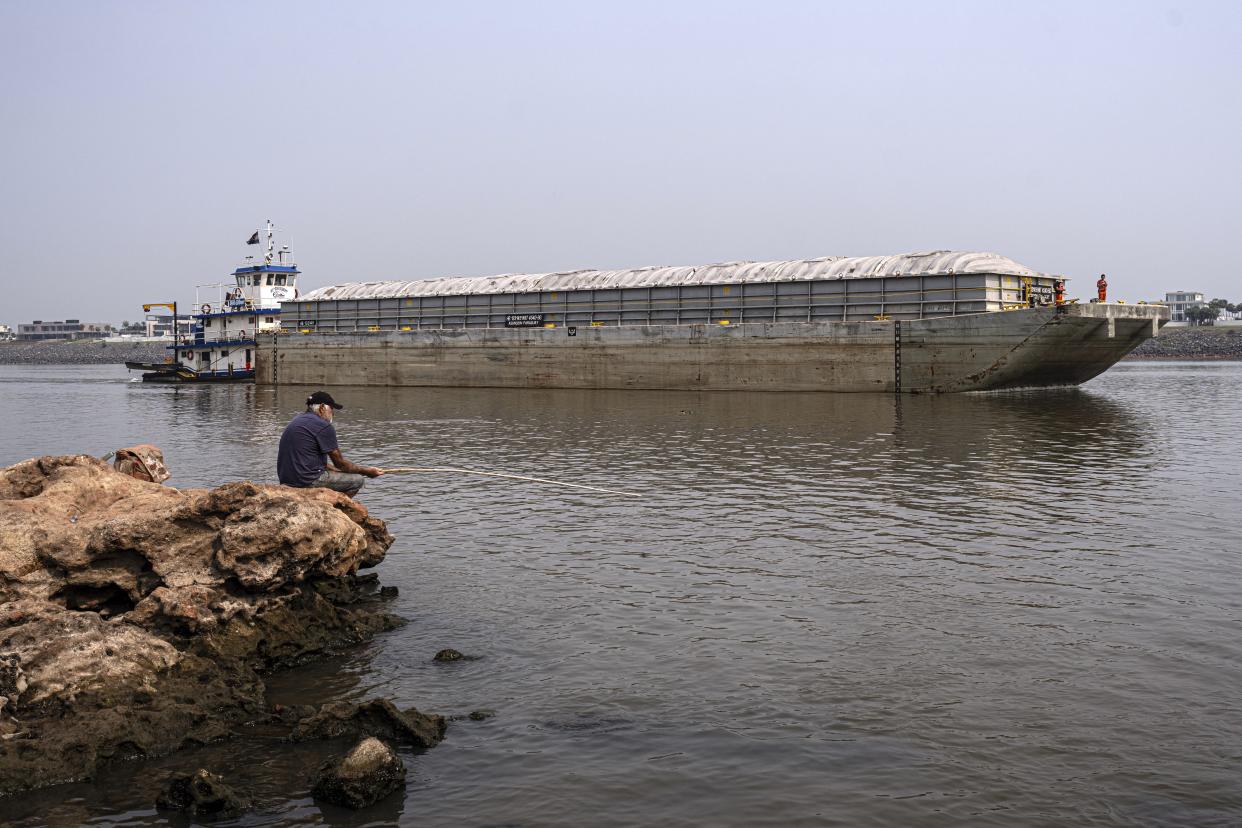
x,y
135,618
364,776
200,794
378,717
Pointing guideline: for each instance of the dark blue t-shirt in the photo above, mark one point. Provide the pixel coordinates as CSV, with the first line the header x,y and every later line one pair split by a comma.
x,y
304,448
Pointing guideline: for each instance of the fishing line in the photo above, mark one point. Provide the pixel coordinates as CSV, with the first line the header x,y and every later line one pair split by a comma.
x,y
448,470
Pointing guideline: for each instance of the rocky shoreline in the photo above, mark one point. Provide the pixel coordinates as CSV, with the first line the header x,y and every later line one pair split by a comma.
x,y
87,352
138,619
1208,343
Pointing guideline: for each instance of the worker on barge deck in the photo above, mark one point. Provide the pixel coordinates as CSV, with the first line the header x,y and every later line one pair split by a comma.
x,y
309,443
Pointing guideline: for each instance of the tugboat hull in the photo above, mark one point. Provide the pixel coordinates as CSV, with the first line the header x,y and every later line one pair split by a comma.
x,y
169,372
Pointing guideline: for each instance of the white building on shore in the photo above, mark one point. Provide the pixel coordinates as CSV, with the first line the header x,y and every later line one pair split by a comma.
x,y
1181,301
68,329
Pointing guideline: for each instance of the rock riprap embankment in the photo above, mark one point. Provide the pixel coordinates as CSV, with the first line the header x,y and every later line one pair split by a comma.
x,y
90,352
136,619
1192,343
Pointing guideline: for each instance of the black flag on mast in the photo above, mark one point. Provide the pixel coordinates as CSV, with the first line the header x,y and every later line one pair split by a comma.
x,y
254,238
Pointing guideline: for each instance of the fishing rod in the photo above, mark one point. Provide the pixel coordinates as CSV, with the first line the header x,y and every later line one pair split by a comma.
x,y
449,470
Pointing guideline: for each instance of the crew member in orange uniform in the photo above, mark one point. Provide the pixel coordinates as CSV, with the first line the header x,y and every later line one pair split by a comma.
x,y
1102,287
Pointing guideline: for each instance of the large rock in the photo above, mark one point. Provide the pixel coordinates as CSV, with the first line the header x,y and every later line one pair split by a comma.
x,y
365,775
378,717
79,532
135,615
200,794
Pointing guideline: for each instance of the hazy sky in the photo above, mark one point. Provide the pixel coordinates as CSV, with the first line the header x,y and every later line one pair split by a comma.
x,y
142,142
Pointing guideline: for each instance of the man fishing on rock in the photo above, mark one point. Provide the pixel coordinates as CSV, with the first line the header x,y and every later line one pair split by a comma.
x,y
309,442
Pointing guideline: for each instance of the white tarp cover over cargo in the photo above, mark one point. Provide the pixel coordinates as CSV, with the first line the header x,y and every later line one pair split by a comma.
x,y
934,263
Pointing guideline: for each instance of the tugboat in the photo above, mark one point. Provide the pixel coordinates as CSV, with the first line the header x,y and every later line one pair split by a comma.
x,y
220,346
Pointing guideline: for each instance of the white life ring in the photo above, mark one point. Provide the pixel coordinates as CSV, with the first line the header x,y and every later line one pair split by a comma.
x,y
206,308
241,334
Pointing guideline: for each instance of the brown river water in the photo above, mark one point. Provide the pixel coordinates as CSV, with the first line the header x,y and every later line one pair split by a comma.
x,y
987,609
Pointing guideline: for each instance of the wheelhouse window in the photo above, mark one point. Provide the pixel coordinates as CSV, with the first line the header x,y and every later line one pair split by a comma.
x,y
270,277
280,280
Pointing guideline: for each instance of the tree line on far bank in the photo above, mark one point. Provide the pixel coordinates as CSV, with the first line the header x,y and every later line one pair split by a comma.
x,y
1206,314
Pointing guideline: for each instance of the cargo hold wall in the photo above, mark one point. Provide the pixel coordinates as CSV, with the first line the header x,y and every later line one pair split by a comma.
x,y
835,300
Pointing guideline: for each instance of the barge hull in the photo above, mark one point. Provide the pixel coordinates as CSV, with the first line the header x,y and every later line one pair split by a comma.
x,y
1031,347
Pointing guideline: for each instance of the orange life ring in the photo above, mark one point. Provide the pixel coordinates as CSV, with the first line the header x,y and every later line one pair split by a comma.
x,y
206,308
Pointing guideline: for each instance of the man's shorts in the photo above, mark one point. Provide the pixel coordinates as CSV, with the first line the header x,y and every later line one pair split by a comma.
x,y
350,484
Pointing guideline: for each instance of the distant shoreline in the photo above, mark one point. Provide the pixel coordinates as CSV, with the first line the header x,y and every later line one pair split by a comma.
x,y
1166,358
1204,344
85,352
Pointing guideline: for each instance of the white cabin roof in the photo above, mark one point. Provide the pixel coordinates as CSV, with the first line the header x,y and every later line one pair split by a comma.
x,y
934,263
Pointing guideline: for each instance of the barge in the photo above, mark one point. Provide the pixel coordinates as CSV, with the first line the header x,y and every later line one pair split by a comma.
x,y
926,322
